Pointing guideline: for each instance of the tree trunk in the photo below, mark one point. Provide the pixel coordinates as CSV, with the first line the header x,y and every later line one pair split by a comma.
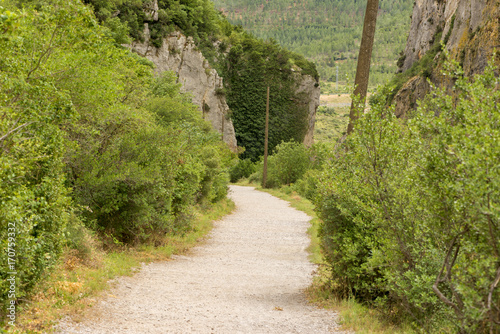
x,y
364,58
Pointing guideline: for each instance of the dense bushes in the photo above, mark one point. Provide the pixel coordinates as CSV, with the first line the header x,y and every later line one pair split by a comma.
x,y
291,164
34,201
410,211
89,136
126,18
243,169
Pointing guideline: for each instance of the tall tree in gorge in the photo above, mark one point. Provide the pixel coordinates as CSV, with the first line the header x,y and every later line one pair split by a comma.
x,y
364,58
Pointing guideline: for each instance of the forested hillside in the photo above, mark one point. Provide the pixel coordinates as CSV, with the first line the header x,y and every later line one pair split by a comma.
x,y
327,32
90,140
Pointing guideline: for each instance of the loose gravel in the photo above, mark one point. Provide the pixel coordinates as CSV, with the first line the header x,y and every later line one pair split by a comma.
x,y
248,277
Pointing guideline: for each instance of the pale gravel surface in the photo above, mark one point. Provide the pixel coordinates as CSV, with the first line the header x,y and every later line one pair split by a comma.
x,y
248,277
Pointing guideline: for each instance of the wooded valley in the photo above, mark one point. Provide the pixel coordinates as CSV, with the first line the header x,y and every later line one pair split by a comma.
x,y
327,32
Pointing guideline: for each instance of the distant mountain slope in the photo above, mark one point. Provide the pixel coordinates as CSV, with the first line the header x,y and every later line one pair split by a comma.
x,y
327,31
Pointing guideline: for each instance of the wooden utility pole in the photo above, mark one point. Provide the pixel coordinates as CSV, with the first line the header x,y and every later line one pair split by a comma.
x,y
222,130
364,59
266,135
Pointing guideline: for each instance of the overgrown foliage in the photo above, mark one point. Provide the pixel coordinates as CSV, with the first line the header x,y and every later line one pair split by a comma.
x,y
89,136
243,169
410,210
126,18
252,65
293,164
34,200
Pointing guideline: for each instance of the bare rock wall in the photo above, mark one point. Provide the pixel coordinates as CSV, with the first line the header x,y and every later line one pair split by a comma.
x,y
309,87
471,31
179,54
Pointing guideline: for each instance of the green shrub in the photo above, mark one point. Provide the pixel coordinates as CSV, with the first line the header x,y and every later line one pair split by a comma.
x,y
214,185
307,185
243,169
326,110
257,176
288,164
35,202
81,241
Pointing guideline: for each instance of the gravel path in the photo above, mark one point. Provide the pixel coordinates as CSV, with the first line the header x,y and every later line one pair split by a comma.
x,y
248,278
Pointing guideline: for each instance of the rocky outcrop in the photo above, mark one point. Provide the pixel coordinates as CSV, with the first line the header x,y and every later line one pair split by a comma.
x,y
408,96
426,18
179,54
470,31
309,88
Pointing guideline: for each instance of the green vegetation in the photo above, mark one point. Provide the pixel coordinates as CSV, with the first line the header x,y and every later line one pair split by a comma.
x,y
409,211
90,140
242,169
252,65
331,123
292,164
409,214
126,18
327,32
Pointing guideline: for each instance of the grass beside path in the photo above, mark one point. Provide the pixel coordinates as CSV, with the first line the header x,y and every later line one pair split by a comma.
x,y
353,315
76,284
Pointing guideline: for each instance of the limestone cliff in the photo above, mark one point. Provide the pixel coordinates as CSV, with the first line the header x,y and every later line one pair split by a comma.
x,y
470,30
311,90
179,54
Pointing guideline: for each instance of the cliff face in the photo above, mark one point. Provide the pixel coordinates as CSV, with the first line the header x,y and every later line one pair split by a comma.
x,y
470,30
179,54
474,26
308,86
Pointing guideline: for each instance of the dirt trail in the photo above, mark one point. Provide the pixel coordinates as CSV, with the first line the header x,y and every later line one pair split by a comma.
x,y
248,278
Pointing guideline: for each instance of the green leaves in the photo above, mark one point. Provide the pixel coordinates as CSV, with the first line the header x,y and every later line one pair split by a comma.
x,y
410,210
8,21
